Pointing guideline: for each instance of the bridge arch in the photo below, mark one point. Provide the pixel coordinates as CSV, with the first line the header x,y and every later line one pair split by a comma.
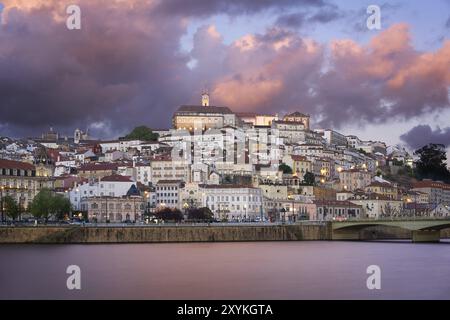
x,y
421,230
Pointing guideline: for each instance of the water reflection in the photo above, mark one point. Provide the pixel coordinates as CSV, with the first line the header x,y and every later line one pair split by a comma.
x,y
257,270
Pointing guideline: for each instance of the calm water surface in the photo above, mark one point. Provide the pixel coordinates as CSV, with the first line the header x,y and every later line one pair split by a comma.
x,y
259,270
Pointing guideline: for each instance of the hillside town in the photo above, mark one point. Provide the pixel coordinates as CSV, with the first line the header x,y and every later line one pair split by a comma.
x,y
242,167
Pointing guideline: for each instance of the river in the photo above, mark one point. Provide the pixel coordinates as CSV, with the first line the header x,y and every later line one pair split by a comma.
x,y
246,270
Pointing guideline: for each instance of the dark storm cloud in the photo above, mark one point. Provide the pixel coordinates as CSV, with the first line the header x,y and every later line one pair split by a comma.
x,y
122,69
421,135
209,7
326,13
292,20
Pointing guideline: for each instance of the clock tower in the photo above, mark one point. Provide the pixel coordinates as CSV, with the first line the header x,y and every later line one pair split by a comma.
x,y
205,99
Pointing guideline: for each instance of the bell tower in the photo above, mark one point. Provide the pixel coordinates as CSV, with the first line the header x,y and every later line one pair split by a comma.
x,y
205,99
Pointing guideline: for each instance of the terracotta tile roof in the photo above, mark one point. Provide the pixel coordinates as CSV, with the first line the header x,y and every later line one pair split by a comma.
x,y
116,178
336,203
297,114
299,158
10,164
288,122
169,181
226,186
246,114
380,184
98,166
431,184
202,109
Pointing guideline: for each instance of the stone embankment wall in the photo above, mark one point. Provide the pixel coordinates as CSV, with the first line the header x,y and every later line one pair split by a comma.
x,y
155,234
80,234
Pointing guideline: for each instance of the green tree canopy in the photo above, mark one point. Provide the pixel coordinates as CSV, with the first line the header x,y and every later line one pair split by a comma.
x,y
309,179
46,204
285,168
432,163
60,206
203,214
12,209
142,133
169,214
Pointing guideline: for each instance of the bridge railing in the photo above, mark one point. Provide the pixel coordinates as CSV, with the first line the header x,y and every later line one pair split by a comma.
x,y
393,219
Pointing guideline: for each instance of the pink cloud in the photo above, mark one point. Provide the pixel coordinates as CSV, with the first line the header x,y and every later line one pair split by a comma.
x,y
131,64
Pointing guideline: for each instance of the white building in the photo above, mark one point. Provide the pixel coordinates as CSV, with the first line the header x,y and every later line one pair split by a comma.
x,y
111,186
290,131
168,193
309,150
143,173
166,169
376,206
119,145
354,179
333,137
233,202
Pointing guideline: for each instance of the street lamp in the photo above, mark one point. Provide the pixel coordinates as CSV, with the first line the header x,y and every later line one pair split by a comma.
x,y
185,206
283,210
1,190
290,197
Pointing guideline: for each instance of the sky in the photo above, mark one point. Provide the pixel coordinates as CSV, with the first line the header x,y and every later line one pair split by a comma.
x,y
134,62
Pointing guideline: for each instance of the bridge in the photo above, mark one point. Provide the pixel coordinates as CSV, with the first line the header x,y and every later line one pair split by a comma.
x,y
423,230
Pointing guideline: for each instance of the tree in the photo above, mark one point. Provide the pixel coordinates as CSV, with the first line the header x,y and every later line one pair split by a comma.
x,y
309,178
361,150
432,163
41,206
168,214
285,168
12,209
60,206
142,133
46,204
204,214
